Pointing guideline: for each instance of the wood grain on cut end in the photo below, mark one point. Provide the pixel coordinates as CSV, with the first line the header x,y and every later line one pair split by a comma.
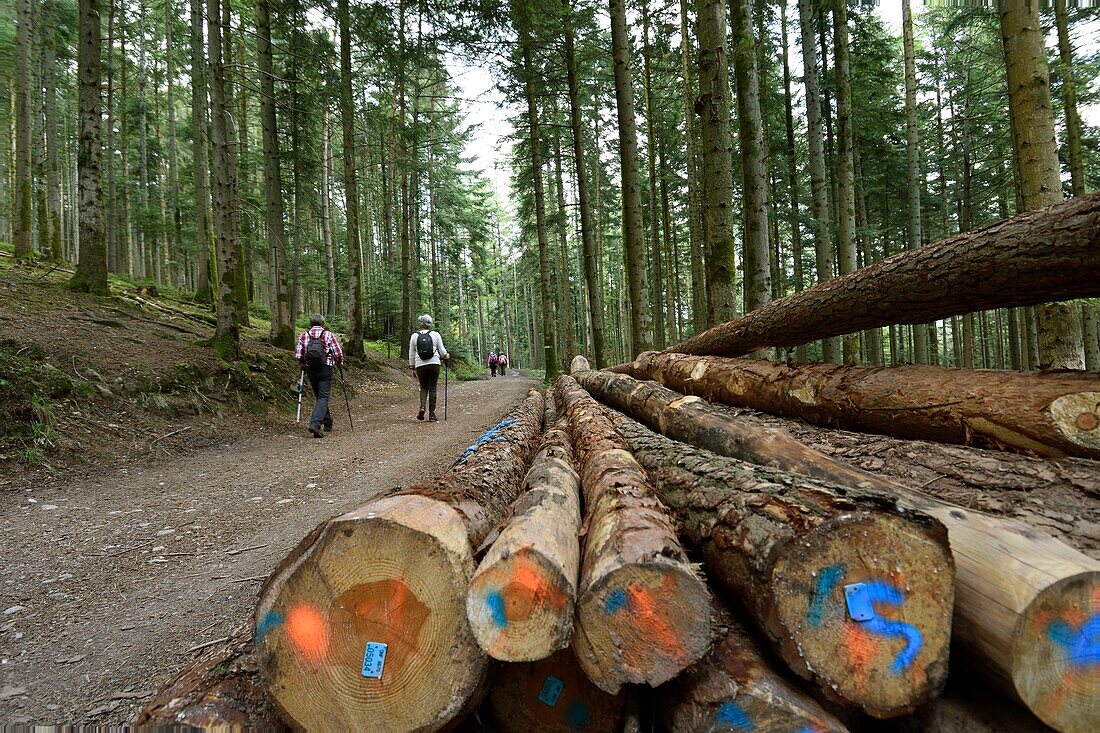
x,y
1077,416
1056,654
521,607
733,688
642,624
893,661
392,572
551,695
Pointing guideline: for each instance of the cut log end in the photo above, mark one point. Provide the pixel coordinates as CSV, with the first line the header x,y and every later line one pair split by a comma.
x,y
1077,416
521,607
642,623
579,364
551,695
1056,654
864,607
394,573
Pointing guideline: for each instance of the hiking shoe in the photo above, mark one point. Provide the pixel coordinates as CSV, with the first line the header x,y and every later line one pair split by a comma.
x,y
433,418
328,428
316,430
420,415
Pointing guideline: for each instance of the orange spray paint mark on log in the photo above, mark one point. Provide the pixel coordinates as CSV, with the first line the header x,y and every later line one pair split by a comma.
x,y
650,612
308,631
861,647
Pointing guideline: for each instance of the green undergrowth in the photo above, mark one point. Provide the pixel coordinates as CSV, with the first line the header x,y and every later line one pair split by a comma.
x,y
30,390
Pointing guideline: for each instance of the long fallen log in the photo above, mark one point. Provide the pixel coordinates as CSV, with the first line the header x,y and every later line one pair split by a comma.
x,y
734,688
363,626
1036,257
552,695
643,613
1052,415
220,689
794,549
521,599
1025,603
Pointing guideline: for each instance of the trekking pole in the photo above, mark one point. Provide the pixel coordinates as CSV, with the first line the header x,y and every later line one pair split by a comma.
x,y
446,374
301,389
344,387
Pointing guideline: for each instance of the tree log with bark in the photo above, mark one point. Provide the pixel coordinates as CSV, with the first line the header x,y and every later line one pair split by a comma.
x,y
643,613
1052,415
363,625
734,687
1024,602
1045,255
220,689
521,599
793,549
552,695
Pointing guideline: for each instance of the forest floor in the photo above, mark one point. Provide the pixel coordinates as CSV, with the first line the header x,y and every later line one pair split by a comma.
x,y
123,545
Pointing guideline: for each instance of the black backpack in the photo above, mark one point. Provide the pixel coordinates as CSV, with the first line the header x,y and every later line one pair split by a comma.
x,y
316,351
425,345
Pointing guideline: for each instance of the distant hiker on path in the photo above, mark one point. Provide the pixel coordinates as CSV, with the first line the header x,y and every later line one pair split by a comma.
x,y
502,363
425,349
318,352
492,364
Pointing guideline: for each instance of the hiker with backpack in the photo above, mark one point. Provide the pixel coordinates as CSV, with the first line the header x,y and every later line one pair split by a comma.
x,y
492,364
502,363
318,351
425,351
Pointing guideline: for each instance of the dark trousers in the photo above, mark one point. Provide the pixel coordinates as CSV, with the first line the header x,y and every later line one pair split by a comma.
x,y
493,369
503,369
428,376
320,379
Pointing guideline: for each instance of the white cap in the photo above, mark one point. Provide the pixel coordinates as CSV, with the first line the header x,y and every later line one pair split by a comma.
x,y
426,320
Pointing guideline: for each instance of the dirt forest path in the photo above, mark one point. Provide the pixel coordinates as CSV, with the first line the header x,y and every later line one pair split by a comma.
x,y
109,581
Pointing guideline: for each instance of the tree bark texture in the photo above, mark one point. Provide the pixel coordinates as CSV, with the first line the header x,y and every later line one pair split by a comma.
x,y
521,599
913,178
395,571
24,181
1051,415
1074,154
354,345
641,319
1038,256
846,203
713,107
49,113
91,269
219,689
787,547
1022,598
695,214
199,126
643,614
552,695
754,173
734,687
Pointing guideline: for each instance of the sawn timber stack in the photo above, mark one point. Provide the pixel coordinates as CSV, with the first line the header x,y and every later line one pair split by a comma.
x,y
393,572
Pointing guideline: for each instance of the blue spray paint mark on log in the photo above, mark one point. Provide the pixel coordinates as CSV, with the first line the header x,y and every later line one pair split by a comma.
x,y
732,714
495,601
270,621
827,580
578,715
614,601
881,592
489,436
1082,647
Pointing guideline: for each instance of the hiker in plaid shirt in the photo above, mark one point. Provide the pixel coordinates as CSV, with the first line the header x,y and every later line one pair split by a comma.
x,y
318,352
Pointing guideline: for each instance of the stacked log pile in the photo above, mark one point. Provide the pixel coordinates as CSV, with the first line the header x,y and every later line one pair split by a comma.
x,y
615,535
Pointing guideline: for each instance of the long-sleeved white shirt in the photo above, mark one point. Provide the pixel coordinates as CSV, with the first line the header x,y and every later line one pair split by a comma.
x,y
440,350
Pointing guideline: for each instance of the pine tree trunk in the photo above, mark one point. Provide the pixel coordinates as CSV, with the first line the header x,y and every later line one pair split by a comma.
x,y
643,614
641,317
713,107
24,181
565,299
395,571
52,243
109,147
1090,323
1032,115
1074,155
789,548
793,216
326,215
1052,415
282,330
91,270
588,239
656,267
175,254
695,214
913,176
758,285
203,287
1033,257
354,345
126,245
830,347
846,234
